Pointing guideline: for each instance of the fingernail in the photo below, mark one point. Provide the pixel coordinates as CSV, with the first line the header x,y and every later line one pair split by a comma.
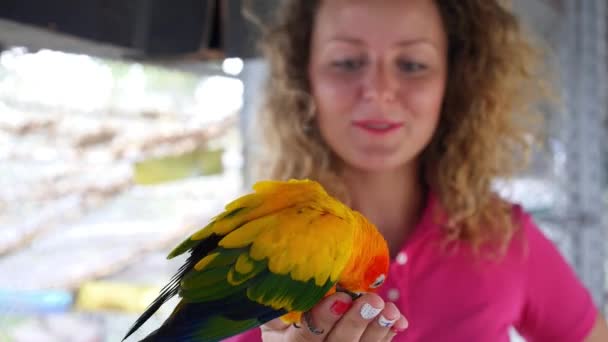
x,y
396,330
339,307
387,323
369,312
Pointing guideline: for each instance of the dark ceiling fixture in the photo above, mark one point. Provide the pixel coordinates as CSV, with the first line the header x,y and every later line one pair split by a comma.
x,y
151,29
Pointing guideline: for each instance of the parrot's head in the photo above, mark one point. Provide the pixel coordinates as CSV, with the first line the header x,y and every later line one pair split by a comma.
x,y
376,273
369,264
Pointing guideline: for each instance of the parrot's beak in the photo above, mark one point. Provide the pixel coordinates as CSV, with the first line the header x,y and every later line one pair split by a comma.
x,y
353,295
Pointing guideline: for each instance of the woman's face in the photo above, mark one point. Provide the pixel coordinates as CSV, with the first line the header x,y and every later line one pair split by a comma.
x,y
378,72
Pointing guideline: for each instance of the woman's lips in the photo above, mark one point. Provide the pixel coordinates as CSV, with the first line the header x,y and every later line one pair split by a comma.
x,y
378,127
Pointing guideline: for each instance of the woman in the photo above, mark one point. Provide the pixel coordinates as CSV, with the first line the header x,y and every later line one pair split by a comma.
x,y
405,110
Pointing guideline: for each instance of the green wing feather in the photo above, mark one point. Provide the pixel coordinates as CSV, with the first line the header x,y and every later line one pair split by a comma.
x,y
220,280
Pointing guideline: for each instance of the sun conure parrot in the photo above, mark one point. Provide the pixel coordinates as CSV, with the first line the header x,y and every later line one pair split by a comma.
x,y
273,253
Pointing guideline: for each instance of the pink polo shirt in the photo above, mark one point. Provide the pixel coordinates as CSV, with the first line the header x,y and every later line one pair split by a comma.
x,y
455,296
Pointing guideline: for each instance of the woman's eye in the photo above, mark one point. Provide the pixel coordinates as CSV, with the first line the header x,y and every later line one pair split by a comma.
x,y
348,64
410,67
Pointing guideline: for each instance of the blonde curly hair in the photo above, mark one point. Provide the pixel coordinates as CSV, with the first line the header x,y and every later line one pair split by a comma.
x,y
489,117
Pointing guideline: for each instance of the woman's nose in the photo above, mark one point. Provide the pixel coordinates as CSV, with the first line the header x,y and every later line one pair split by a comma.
x,y
380,85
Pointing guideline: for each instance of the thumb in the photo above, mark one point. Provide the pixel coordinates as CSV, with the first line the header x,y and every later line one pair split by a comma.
x,y
274,330
319,321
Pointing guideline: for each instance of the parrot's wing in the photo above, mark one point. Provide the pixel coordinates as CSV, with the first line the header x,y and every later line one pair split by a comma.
x,y
268,197
276,264
298,244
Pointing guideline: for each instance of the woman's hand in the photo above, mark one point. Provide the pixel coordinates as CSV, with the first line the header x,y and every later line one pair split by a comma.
x,y
338,318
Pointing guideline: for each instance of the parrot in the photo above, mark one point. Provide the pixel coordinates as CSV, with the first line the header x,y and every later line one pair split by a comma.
x,y
272,253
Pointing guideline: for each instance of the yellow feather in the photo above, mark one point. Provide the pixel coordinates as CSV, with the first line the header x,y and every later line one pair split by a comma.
x,y
205,261
263,202
243,264
247,233
292,317
287,241
203,233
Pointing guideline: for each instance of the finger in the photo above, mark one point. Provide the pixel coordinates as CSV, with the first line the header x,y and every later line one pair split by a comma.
x,y
275,324
352,325
321,318
397,328
379,328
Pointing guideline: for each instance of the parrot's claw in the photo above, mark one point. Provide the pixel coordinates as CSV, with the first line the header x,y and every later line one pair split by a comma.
x,y
353,295
311,327
296,326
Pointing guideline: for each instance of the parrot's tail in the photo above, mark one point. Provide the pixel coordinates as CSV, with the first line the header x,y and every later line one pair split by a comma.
x,y
172,288
163,334
201,322
167,293
154,337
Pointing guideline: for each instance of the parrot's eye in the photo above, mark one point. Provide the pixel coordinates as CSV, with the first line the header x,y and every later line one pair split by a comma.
x,y
379,281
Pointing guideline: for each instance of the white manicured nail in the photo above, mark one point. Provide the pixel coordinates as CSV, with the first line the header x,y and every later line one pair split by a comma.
x,y
369,312
387,323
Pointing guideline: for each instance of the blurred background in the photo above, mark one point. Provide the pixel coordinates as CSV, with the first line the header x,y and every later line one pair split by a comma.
x,y
126,125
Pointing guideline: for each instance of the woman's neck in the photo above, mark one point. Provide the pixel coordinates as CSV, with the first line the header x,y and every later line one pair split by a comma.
x,y
392,200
